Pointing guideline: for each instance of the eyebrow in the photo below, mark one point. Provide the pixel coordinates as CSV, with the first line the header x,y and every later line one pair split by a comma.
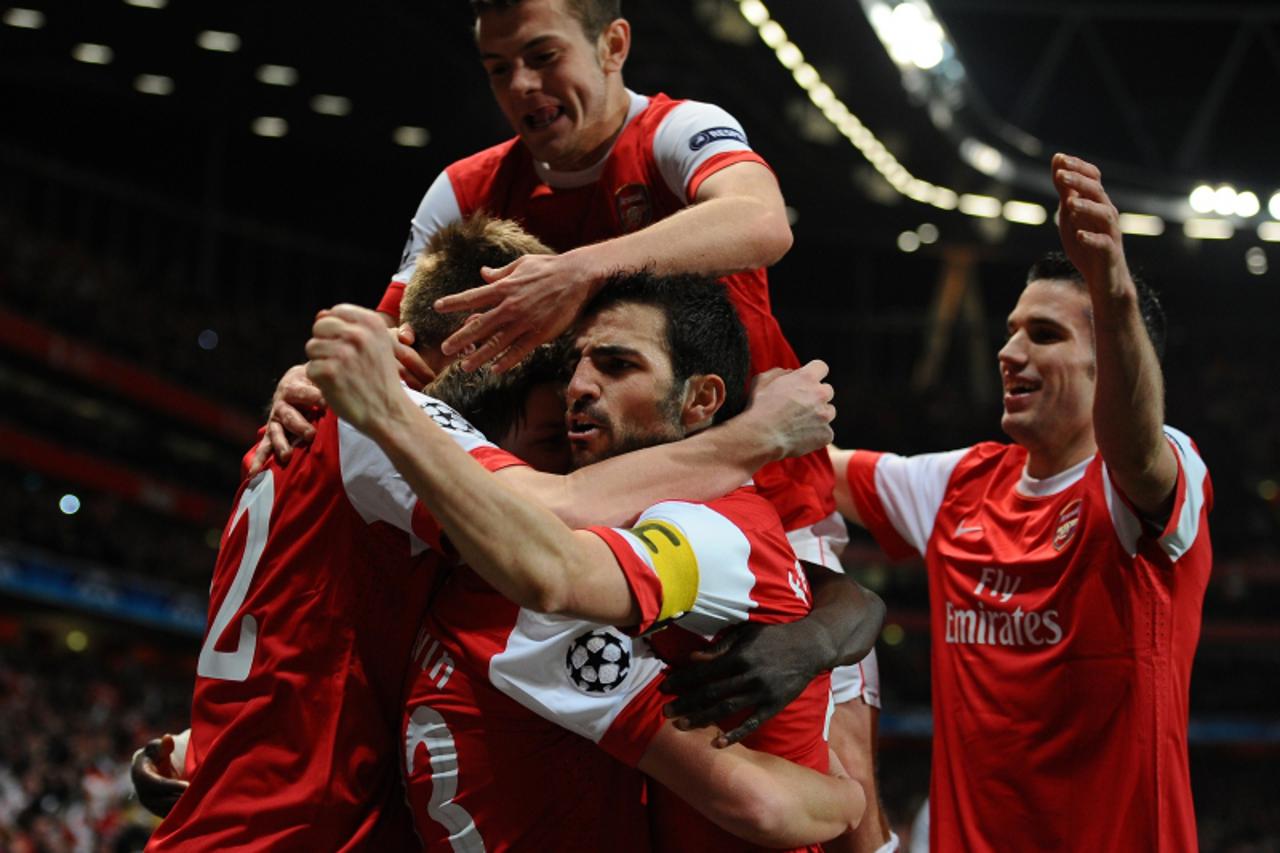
x,y
613,350
530,44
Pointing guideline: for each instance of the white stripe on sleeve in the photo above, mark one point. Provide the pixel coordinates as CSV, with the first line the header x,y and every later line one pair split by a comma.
x,y
692,133
438,208
911,489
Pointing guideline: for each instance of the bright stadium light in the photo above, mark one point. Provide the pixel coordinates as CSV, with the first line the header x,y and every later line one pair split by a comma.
x,y
1025,213
411,137
1269,231
272,127
1202,199
23,19
1208,229
92,54
277,75
984,206
147,4
928,233
69,504
153,84
331,105
1142,224
1255,261
1247,204
754,11
1273,206
908,241
218,41
1224,200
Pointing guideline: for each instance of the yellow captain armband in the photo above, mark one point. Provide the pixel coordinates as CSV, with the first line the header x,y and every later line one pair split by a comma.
x,y
675,564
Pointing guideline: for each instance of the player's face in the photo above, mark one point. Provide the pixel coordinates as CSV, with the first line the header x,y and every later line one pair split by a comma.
x,y
622,395
539,438
550,81
1048,373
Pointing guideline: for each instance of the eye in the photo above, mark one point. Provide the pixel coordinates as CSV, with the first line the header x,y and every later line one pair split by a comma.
x,y
498,69
545,57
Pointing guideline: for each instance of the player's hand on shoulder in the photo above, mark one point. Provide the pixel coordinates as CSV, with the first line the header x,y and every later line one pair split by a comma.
x,y
155,778
295,402
353,363
794,406
752,666
528,302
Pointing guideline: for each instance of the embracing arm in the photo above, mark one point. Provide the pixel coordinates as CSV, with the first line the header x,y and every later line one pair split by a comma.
x,y
764,667
845,503
737,222
758,797
1128,406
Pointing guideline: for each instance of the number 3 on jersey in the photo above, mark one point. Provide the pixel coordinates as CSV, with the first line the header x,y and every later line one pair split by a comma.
x,y
256,500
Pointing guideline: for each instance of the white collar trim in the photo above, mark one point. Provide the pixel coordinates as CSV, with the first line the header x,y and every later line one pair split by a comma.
x,y
591,174
1033,488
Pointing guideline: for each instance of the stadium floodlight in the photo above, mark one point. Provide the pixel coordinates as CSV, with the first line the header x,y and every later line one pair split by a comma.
x,y
1202,199
411,137
153,84
1025,212
1208,229
789,55
928,233
147,4
272,127
772,34
1269,231
277,75
754,11
1224,200
23,19
1247,204
1142,224
218,41
1273,206
908,241
331,105
93,54
984,206
1255,260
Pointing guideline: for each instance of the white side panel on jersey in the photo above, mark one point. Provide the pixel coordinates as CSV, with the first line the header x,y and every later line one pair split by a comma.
x,y
690,134
1183,535
821,543
538,669
725,579
438,208
374,487
911,489
1184,531
427,728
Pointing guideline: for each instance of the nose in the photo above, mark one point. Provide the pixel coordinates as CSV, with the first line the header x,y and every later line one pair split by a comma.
x,y
1014,352
582,385
525,80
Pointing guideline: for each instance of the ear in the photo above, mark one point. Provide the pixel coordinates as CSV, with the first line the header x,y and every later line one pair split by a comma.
x,y
703,397
614,45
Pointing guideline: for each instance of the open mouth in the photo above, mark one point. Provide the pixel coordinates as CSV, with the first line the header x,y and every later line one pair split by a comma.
x,y
582,429
543,117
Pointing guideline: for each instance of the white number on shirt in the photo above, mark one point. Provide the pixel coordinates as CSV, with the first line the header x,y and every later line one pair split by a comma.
x,y
427,728
234,666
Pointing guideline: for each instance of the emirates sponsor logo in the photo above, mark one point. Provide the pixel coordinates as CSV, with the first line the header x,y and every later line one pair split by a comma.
x,y
1068,523
983,627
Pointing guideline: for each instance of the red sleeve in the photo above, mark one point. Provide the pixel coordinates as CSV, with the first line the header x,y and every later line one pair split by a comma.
x,y
425,526
861,475
629,736
646,586
718,162
390,303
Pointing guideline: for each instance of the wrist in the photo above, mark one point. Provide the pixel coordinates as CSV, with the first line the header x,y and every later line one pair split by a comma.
x,y
394,431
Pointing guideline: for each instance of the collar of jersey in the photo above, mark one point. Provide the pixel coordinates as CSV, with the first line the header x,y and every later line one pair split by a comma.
x,y
1033,488
591,174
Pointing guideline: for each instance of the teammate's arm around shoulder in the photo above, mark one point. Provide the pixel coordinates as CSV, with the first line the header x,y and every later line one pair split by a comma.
x,y
758,797
1128,408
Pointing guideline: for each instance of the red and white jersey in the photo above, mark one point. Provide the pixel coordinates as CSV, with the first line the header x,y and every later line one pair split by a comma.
x,y
1063,631
504,705
318,590
655,168
695,569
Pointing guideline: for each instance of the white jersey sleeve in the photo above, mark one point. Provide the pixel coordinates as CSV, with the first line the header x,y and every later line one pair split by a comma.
x,y
691,134
575,674
1189,501
438,208
375,488
911,489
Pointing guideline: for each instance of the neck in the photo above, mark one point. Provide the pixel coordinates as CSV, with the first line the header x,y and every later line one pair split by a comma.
x,y
1044,462
615,120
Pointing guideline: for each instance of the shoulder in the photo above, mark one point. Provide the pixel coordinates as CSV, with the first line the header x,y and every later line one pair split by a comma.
x,y
482,163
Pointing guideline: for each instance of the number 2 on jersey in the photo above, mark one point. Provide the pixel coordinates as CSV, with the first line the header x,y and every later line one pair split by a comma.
x,y
256,500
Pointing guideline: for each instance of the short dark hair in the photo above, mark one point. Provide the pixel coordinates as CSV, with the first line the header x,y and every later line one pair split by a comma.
x,y
593,15
705,335
451,263
1056,266
494,402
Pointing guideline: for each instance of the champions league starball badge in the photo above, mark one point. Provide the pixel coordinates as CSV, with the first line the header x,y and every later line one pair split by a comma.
x,y
447,418
598,661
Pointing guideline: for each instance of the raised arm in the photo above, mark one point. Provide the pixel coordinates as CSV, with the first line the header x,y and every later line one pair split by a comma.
x,y
845,503
758,797
737,222
1128,407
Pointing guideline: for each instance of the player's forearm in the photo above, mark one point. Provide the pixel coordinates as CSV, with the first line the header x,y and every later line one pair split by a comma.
x,y
513,543
846,617
845,504
702,467
1128,409
713,237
